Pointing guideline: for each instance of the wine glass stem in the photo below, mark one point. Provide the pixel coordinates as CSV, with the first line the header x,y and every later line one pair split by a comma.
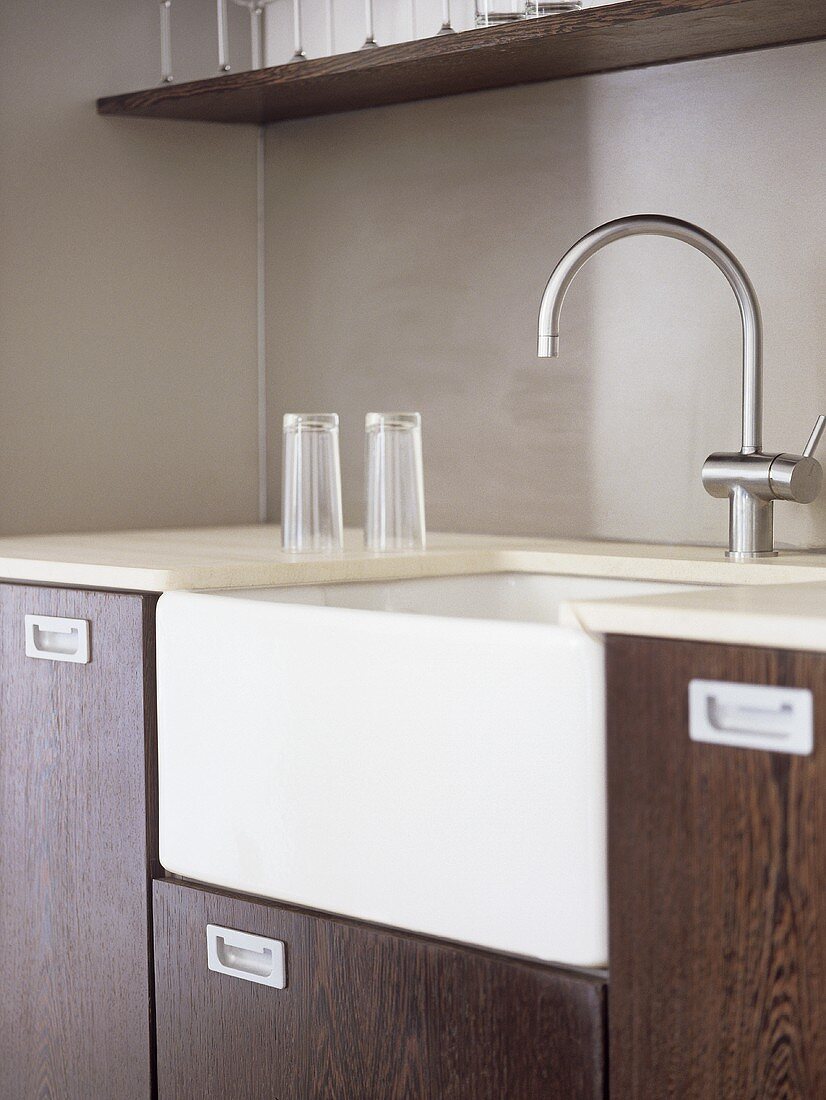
x,y
445,13
223,37
166,41
368,13
297,33
255,38
330,27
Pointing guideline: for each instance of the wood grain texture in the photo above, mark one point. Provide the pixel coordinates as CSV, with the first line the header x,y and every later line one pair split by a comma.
x,y
368,1014
717,886
75,930
628,35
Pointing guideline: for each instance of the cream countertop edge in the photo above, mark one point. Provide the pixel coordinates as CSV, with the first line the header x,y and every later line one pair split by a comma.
x,y
777,602
245,574
786,616
249,556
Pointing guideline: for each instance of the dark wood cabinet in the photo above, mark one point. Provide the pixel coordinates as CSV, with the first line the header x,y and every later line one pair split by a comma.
x,y
75,846
717,886
717,913
367,1014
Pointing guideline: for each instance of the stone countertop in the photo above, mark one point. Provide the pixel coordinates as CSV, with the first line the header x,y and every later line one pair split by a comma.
x,y
249,557
779,601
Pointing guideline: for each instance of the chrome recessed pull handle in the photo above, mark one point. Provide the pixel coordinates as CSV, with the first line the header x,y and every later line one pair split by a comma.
x,y
50,638
241,955
815,437
752,716
749,720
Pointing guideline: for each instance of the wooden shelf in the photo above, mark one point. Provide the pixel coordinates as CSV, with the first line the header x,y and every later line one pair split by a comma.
x,y
628,35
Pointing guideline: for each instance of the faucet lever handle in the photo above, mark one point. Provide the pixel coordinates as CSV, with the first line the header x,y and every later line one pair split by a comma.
x,y
798,477
815,437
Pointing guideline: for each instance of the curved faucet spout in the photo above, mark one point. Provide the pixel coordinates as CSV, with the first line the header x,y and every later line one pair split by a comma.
x,y
658,225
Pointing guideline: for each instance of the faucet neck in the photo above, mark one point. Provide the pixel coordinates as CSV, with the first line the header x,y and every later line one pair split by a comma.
x,y
658,225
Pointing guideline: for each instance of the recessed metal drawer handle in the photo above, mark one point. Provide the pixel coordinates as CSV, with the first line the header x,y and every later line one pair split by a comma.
x,y
51,638
757,720
752,716
241,958
242,955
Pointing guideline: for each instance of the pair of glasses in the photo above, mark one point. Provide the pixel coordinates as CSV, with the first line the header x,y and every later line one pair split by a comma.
x,y
311,511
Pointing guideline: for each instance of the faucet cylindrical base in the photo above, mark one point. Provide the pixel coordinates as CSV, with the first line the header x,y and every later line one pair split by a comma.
x,y
751,525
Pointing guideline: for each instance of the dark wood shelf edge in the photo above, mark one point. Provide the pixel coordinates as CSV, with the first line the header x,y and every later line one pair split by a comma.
x,y
634,34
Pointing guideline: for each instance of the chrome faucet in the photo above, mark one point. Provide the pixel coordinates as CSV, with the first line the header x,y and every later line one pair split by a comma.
x,y
750,479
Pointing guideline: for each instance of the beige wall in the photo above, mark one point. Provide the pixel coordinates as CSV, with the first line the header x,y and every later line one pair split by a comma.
x,y
409,247
407,250
127,281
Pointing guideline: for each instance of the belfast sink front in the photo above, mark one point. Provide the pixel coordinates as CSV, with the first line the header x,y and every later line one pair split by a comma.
x,y
425,753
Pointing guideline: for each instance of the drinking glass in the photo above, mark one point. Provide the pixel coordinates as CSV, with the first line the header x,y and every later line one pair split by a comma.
x,y
536,8
490,13
311,516
394,482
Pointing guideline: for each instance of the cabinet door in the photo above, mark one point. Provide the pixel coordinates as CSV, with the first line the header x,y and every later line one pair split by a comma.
x,y
367,1014
717,883
74,917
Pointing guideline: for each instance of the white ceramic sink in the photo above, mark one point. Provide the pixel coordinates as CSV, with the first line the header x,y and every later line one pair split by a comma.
x,y
423,753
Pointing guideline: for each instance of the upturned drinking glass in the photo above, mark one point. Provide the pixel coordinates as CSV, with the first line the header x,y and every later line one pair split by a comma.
x,y
394,482
311,514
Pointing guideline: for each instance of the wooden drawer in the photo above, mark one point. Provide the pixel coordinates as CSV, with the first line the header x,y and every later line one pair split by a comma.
x,y
75,966
367,1014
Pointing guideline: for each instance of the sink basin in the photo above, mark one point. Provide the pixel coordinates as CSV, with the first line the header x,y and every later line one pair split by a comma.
x,y
424,753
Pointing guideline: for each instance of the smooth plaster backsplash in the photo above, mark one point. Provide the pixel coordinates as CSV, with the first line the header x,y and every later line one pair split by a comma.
x,y
127,281
408,248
